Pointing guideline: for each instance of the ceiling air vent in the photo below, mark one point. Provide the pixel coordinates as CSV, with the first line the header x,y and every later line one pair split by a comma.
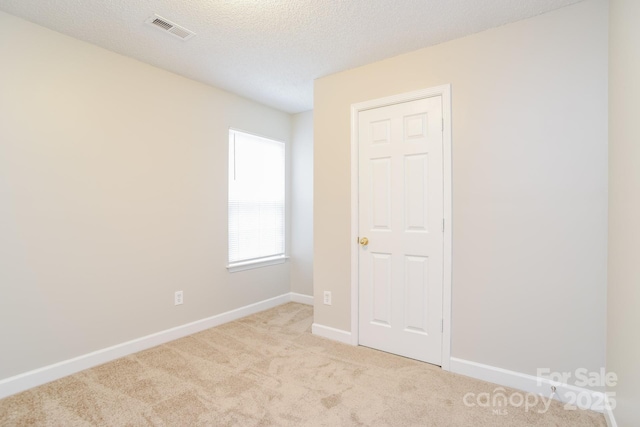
x,y
170,27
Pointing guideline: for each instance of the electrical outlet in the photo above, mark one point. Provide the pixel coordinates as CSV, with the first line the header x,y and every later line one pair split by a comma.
x,y
177,300
327,297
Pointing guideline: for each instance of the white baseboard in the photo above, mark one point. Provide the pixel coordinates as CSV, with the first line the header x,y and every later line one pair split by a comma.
x,y
528,383
608,416
302,299
36,377
331,333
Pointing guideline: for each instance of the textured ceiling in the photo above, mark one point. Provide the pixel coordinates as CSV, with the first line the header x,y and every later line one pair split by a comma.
x,y
272,50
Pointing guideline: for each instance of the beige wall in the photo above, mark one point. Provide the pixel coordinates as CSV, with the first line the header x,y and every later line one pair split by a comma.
x,y
302,203
112,197
623,298
529,186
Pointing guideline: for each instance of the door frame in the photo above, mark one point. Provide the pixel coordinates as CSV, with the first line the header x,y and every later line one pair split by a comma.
x,y
445,92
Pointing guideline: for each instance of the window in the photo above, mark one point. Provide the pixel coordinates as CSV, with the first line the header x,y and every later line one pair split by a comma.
x,y
256,201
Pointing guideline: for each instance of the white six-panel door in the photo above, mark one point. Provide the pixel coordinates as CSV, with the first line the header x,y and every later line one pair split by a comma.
x,y
401,215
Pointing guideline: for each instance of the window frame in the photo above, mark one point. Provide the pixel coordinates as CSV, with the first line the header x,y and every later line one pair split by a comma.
x,y
266,261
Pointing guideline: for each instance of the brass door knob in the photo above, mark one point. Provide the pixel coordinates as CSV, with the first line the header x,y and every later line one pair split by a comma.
x,y
364,241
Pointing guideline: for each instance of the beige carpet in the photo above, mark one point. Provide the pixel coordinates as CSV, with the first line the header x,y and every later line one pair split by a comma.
x,y
267,369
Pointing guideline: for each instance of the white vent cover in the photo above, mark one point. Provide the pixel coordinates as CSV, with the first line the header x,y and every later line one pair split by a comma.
x,y
170,27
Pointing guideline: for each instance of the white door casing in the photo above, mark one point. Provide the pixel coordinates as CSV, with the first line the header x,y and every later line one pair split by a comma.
x,y
401,287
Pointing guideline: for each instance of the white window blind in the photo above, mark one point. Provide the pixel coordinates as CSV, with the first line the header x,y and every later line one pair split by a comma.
x,y
256,198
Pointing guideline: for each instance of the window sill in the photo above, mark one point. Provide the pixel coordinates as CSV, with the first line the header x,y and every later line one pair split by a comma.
x,y
264,262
